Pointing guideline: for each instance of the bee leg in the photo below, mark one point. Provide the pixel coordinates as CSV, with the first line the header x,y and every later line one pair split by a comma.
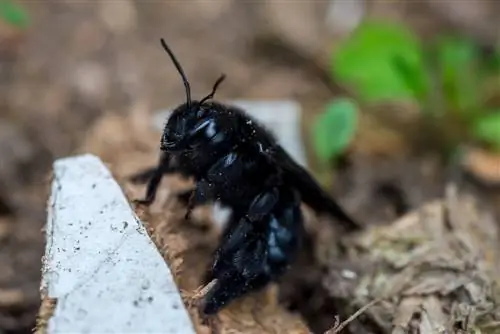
x,y
259,248
231,236
227,289
185,196
190,206
154,181
223,242
202,194
147,174
240,266
143,176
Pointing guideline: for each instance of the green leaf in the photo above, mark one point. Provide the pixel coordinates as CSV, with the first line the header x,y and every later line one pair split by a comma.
x,y
13,14
459,71
334,129
414,78
382,61
487,128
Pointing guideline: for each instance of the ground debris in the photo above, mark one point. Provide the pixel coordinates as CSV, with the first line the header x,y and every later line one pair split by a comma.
x,y
436,270
45,312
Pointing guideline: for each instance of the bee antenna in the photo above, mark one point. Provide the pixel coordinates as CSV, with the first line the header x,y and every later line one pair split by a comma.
x,y
180,70
214,89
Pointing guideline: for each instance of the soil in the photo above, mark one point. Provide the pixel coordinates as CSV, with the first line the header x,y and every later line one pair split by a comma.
x,y
86,76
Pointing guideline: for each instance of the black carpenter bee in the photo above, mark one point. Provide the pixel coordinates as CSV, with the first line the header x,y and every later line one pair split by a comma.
x,y
236,161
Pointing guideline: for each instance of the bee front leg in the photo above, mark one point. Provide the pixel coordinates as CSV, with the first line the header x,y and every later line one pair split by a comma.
x,y
155,176
164,166
185,196
143,176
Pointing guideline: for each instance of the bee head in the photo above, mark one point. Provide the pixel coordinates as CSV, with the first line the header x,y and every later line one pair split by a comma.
x,y
187,115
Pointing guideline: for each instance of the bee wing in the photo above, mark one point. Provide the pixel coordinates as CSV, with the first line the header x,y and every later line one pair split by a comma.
x,y
310,191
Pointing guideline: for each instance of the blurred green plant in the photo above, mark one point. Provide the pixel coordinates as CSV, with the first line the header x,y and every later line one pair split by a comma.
x,y
13,14
334,129
377,60
449,77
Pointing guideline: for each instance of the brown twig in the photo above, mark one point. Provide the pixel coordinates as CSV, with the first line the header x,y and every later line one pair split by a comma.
x,y
338,327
